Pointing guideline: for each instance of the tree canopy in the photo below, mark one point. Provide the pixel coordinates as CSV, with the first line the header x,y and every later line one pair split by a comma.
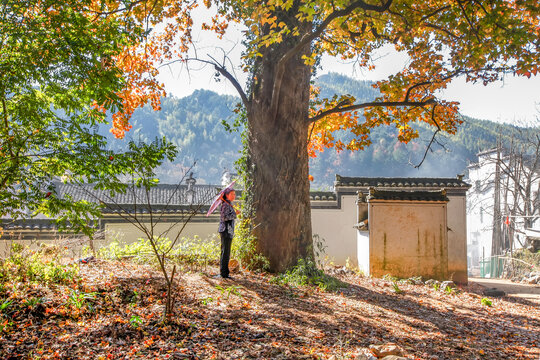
x,y
57,80
284,39
444,40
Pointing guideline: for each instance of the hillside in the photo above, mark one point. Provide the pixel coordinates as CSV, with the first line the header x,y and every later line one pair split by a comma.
x,y
194,124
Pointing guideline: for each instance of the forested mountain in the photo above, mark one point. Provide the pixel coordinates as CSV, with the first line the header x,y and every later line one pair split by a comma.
x,y
194,124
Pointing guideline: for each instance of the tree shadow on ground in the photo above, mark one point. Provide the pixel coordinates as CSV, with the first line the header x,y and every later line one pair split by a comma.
x,y
455,327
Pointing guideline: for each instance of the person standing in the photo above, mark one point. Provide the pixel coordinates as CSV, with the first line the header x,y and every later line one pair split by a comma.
x,y
226,230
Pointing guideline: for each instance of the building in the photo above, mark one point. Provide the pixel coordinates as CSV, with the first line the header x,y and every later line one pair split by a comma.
x,y
503,208
360,198
415,226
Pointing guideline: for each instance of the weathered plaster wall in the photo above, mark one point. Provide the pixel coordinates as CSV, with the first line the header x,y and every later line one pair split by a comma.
x,y
127,233
408,239
335,226
457,239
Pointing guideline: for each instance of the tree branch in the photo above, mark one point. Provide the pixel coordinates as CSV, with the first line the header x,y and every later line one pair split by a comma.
x,y
308,38
222,70
411,88
432,138
435,12
6,123
127,8
234,82
339,109
469,21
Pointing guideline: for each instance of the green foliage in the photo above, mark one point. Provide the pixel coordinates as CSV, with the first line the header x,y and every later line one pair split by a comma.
x,y
244,248
54,66
140,251
486,302
31,302
79,299
307,273
41,265
135,321
207,300
198,252
5,304
396,288
227,291
195,252
135,297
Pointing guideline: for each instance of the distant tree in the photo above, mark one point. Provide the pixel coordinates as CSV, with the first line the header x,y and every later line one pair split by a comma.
x,y
507,186
286,122
520,184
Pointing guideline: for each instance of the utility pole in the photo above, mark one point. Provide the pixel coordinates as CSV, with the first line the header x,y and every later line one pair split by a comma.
x,y
496,233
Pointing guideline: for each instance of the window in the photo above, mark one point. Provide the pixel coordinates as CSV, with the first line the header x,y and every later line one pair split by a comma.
x,y
481,215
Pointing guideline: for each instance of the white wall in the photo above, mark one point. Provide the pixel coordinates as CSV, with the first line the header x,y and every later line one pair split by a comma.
x,y
457,238
335,226
480,200
129,234
363,251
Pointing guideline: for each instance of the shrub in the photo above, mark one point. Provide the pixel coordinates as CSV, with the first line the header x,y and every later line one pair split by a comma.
x,y
79,299
527,261
187,251
486,301
307,273
244,247
42,265
197,252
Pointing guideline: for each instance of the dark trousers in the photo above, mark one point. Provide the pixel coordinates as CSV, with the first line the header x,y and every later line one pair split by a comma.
x,y
226,240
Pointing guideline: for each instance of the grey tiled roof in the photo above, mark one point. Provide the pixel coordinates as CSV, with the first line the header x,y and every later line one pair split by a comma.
x,y
30,225
162,194
399,182
322,195
407,195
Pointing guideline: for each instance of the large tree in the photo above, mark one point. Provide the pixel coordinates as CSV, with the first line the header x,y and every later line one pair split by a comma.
x,y
284,39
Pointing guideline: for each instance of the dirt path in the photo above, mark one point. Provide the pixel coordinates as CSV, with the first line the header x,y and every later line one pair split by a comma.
x,y
512,289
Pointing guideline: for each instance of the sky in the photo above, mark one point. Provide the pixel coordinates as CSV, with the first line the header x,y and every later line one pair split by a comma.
x,y
514,100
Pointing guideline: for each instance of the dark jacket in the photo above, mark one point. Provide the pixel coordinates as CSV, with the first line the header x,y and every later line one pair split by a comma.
x,y
226,222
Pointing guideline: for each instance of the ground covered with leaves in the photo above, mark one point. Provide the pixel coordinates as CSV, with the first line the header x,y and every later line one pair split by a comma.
x,y
112,310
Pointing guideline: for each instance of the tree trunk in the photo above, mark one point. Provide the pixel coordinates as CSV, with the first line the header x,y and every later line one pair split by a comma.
x,y
279,160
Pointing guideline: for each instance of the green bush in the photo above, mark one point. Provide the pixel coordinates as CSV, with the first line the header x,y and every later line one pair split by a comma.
x,y
244,248
192,252
197,251
41,265
79,299
307,273
140,251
